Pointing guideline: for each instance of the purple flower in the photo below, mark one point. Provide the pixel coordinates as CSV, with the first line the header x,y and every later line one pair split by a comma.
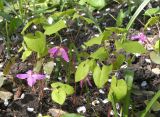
x,y
85,80
31,77
59,51
141,37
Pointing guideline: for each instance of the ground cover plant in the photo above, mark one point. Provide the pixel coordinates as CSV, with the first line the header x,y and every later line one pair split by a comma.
x,y
79,58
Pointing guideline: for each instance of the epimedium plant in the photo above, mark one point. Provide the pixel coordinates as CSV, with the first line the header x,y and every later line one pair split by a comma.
x,y
95,63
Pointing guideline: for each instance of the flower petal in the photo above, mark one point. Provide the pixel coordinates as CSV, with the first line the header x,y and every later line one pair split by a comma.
x,y
31,81
135,37
22,76
81,83
38,76
53,50
64,54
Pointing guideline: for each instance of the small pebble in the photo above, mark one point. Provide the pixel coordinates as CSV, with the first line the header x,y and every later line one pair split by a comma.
x,y
47,76
130,107
59,78
81,109
30,109
6,102
108,9
101,91
34,27
95,102
50,20
137,54
112,112
83,14
1,74
22,96
96,35
143,84
117,106
54,64
109,80
148,60
64,40
52,43
123,66
156,71
105,101
46,88
65,22
116,74
98,12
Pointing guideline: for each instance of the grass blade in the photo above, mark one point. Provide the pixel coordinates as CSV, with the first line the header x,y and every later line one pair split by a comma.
x,y
140,8
149,105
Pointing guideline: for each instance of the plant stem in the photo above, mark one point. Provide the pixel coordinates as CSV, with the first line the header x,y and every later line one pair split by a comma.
x,y
7,40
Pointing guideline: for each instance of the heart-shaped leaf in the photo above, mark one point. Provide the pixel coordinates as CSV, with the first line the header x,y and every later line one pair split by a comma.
x,y
82,71
133,47
101,76
51,29
100,54
155,57
58,95
36,42
48,67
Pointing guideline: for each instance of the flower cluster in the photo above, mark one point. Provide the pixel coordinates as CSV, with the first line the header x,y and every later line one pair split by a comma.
x,y
141,37
32,77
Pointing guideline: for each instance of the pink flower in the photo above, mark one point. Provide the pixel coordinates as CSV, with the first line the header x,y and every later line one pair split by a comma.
x,y
141,37
85,80
31,77
59,51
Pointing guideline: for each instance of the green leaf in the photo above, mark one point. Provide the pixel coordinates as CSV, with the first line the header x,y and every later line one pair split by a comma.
x,y
157,45
118,45
92,64
68,89
101,76
51,29
100,54
133,47
1,4
57,84
152,21
119,61
26,54
155,106
120,17
48,67
94,40
149,105
15,23
35,21
71,115
155,57
118,89
99,4
129,75
36,42
68,12
82,71
152,11
58,95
